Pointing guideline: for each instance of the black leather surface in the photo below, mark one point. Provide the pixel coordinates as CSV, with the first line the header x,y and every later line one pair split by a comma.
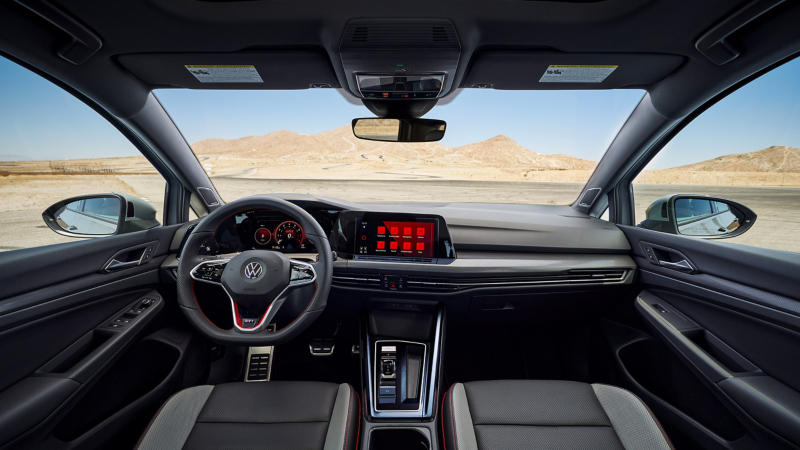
x,y
545,403
771,403
27,403
274,415
526,414
273,402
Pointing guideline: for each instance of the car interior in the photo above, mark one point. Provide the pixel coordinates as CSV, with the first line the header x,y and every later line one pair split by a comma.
x,y
307,321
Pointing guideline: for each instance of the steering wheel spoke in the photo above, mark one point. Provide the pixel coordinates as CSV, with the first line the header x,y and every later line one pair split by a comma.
x,y
302,273
210,271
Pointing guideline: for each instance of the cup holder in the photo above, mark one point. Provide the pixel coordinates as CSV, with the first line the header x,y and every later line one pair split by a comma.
x,y
398,439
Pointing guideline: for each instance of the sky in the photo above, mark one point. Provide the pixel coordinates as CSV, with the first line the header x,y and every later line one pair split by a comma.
x,y
40,121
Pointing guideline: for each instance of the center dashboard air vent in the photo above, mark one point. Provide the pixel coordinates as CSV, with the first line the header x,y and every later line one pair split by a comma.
x,y
431,284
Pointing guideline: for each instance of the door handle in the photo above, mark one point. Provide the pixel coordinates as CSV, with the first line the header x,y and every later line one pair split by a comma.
x,y
116,266
680,266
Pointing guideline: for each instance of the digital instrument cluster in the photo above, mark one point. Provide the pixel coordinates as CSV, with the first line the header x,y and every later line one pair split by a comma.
x,y
272,230
263,229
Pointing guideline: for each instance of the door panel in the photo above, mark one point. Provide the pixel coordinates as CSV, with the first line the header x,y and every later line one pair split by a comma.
x,y
64,322
734,322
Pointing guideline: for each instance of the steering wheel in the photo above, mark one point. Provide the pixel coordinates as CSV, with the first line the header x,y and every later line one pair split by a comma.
x,y
257,282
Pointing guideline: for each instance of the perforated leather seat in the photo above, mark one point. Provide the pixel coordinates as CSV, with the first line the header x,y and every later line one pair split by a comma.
x,y
552,415
263,416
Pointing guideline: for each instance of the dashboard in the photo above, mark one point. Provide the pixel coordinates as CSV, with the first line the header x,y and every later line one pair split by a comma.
x,y
265,229
362,235
412,246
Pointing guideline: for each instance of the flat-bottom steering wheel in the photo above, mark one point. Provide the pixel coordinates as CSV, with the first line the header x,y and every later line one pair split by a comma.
x,y
257,282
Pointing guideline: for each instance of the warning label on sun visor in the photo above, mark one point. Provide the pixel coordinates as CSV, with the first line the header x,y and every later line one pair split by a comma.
x,y
576,74
225,74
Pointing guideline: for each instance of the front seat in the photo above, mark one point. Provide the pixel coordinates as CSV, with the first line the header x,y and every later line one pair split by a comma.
x,y
553,415
266,415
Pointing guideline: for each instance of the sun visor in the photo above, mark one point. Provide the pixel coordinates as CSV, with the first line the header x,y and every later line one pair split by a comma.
x,y
535,70
279,69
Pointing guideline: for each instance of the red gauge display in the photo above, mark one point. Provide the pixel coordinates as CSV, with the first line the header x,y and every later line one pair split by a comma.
x,y
263,236
290,235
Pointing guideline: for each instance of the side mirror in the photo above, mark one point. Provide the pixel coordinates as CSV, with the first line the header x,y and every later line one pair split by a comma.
x,y
100,215
698,215
399,130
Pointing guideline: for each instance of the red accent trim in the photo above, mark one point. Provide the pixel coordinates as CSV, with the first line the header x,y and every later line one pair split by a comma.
x,y
358,433
657,422
453,418
444,440
347,425
144,433
239,318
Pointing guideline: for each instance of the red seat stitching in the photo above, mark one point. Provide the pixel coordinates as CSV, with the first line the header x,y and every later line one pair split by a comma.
x,y
444,439
453,417
347,425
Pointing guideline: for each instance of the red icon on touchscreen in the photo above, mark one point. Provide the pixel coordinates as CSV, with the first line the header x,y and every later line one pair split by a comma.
x,y
393,245
381,244
381,230
420,231
406,231
406,245
394,230
420,246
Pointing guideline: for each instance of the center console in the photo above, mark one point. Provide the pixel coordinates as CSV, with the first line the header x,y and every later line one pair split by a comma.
x,y
402,353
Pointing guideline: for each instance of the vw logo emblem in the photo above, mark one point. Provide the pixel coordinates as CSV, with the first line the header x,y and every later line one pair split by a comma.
x,y
253,270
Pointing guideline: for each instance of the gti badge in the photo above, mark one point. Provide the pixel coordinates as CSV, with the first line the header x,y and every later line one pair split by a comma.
x,y
253,270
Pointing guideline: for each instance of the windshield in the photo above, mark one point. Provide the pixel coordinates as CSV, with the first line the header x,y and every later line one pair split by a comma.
x,y
530,147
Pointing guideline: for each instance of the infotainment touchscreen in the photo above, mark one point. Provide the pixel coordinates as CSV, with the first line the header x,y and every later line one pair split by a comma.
x,y
387,236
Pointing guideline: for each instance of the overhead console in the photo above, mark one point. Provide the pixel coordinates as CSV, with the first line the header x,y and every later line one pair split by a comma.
x,y
395,237
400,59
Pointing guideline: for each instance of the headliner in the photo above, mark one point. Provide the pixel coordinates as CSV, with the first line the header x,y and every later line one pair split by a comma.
x,y
662,28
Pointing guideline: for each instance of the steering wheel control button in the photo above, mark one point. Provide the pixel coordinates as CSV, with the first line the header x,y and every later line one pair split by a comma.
x,y
302,273
209,271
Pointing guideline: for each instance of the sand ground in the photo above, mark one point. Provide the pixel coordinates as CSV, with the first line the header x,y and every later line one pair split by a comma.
x,y
23,198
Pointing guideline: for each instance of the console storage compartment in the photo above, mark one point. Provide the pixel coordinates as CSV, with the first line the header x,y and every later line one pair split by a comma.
x,y
398,439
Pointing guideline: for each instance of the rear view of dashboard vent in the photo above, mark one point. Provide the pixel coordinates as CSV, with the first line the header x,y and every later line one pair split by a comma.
x,y
402,33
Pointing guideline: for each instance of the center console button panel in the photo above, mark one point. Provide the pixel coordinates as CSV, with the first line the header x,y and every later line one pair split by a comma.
x,y
398,375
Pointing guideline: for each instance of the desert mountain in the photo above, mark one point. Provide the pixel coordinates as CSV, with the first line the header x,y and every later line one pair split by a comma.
x,y
778,158
339,145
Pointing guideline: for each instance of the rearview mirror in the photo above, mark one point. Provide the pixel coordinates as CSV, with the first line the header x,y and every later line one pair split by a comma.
x,y
100,215
399,130
698,215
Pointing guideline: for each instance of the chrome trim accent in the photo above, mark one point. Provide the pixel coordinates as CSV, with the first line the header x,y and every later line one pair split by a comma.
x,y
373,390
333,347
621,279
276,303
428,384
432,386
269,350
